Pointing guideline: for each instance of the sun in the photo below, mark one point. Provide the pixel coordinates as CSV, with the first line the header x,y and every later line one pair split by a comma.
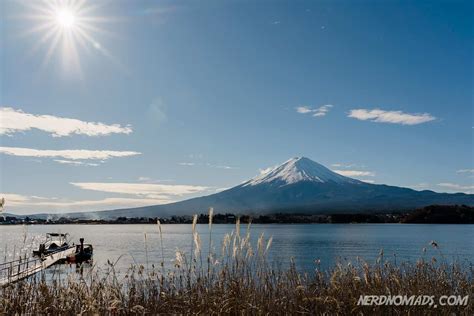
x,y
66,29
65,18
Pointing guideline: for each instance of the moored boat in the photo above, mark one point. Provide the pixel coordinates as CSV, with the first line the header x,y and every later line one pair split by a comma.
x,y
59,243
83,253
55,242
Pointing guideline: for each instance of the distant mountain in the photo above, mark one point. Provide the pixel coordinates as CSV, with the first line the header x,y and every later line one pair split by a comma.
x,y
298,185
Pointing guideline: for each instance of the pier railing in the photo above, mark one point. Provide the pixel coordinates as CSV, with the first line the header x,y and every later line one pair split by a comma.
x,y
24,267
13,270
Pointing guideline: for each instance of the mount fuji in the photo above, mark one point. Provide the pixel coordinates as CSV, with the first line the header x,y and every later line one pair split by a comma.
x,y
299,169
299,185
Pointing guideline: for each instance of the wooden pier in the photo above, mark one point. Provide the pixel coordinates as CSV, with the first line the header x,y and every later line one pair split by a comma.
x,y
22,268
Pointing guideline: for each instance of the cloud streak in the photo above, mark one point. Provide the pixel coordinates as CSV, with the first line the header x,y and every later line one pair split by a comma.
x,y
355,173
317,112
471,171
79,154
345,166
149,190
190,164
454,187
186,164
76,163
13,121
130,195
224,167
16,199
19,201
393,117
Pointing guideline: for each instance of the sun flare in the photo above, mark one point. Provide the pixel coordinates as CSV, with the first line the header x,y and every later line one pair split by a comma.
x,y
65,28
65,18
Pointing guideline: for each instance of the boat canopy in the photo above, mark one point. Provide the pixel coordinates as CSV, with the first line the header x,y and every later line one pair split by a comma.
x,y
57,234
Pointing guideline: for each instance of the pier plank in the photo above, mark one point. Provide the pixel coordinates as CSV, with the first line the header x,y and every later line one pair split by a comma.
x,y
21,271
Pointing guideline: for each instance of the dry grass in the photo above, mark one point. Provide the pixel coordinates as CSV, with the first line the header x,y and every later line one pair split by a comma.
x,y
240,281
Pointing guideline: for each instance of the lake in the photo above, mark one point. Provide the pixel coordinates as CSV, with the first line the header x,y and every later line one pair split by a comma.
x,y
306,243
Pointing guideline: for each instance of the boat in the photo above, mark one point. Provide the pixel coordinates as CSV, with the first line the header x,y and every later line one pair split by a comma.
x,y
55,242
59,243
83,253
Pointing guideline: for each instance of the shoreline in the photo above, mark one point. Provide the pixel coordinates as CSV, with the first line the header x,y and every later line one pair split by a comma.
x,y
433,214
253,224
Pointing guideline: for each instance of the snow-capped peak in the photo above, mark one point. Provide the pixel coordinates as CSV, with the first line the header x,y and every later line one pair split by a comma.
x,y
299,169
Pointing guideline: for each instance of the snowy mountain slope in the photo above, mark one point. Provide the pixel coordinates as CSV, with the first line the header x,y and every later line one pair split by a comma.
x,y
299,169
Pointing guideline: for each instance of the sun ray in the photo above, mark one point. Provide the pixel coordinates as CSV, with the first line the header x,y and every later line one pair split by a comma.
x,y
51,49
47,36
67,27
46,26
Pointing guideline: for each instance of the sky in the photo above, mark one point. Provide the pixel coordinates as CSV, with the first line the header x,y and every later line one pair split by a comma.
x,y
111,104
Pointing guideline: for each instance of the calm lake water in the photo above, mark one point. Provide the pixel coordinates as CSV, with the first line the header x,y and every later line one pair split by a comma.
x,y
329,243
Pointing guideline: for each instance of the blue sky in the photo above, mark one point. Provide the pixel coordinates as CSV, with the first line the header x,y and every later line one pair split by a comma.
x,y
144,102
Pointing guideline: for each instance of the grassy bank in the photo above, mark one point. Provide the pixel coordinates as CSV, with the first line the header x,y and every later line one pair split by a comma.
x,y
236,278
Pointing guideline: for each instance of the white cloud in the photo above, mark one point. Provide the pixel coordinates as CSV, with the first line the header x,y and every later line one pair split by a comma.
x,y
21,203
355,173
367,180
79,154
44,198
122,202
394,117
141,194
454,187
466,171
223,167
317,112
13,121
189,164
303,109
186,163
150,190
341,165
76,163
13,199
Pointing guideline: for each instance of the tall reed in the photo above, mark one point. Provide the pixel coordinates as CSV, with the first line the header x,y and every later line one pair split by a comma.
x,y
162,263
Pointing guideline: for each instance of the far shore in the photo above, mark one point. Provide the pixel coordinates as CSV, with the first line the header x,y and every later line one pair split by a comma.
x,y
434,214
